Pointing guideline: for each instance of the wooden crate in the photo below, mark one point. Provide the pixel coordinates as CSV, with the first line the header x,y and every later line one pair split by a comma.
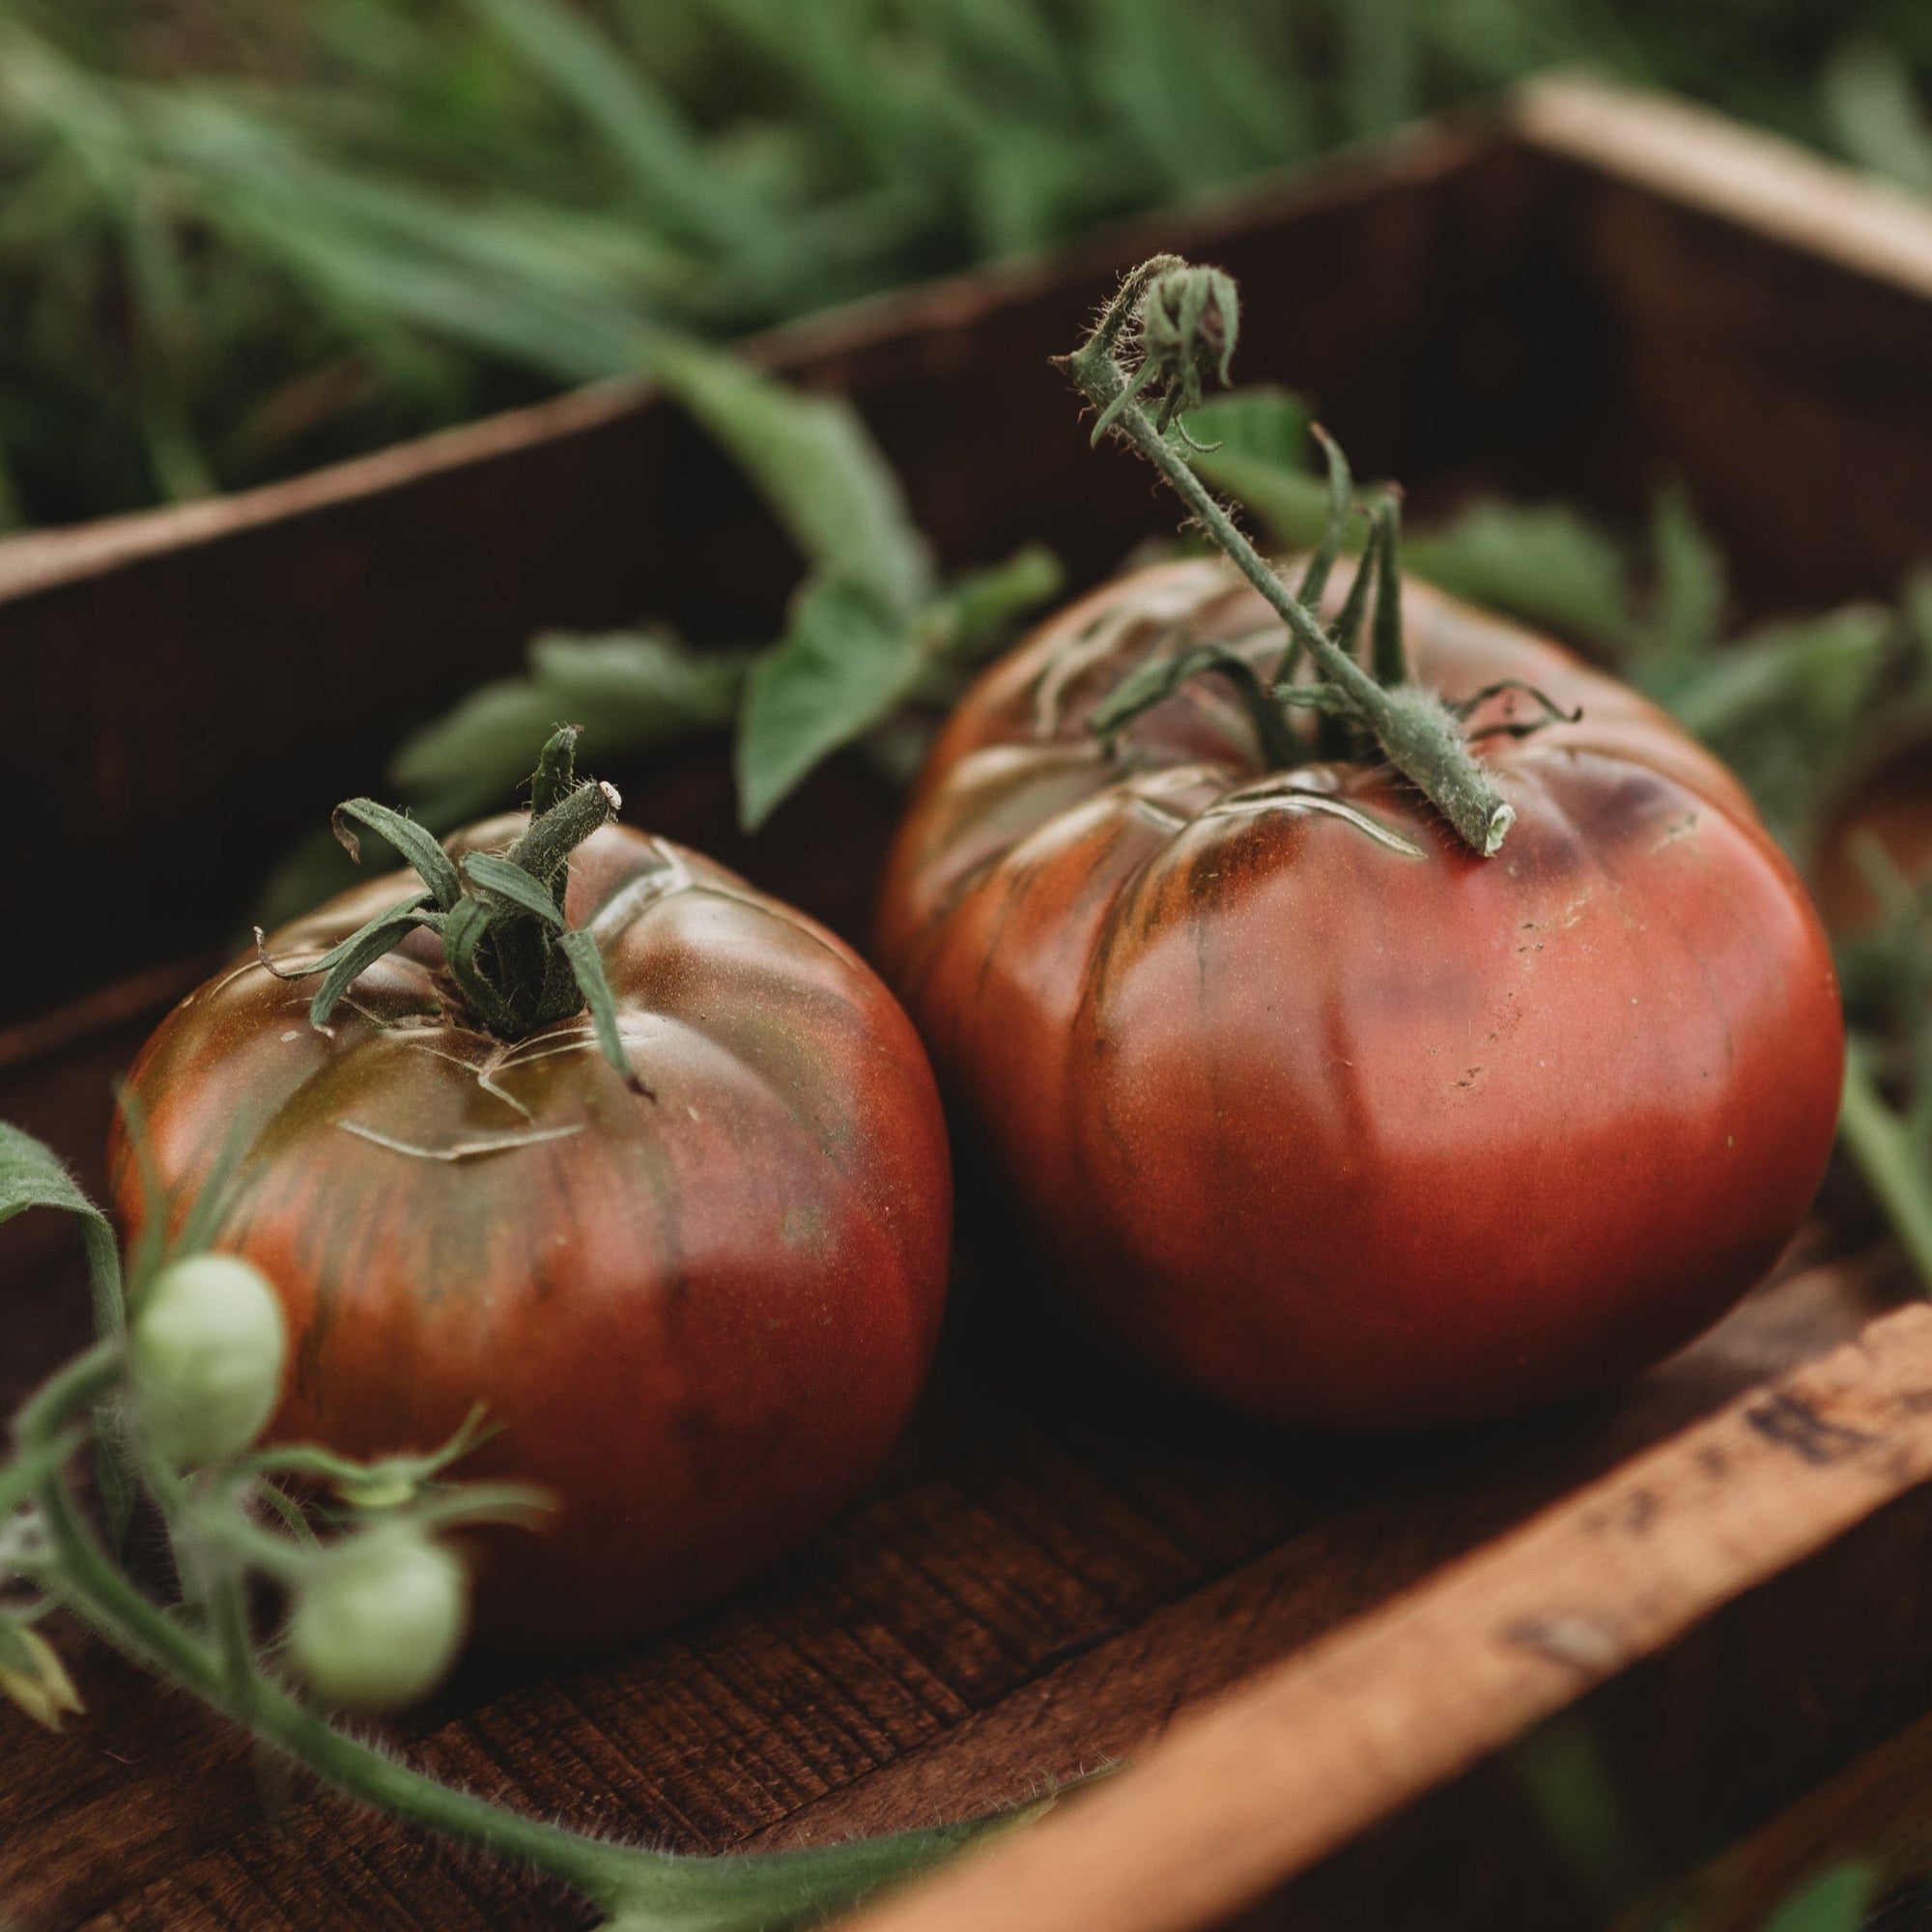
x,y
1321,1655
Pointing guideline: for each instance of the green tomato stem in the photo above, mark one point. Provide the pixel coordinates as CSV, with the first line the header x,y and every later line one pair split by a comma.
x,y
1418,738
1887,1155
660,1890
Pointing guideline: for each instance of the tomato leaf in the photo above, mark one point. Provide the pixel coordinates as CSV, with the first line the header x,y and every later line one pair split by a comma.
x,y
31,1175
974,613
1258,454
633,692
1544,563
845,661
1833,1901
815,465
1262,423
1691,588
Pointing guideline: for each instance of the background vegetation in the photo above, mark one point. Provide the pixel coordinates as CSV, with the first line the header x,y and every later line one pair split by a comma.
x,y
239,238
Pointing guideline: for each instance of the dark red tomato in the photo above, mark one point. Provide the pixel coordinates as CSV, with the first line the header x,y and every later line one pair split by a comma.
x,y
700,1318
1312,1106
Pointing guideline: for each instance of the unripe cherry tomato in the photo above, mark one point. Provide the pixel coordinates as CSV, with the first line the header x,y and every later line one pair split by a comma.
x,y
207,1350
378,1622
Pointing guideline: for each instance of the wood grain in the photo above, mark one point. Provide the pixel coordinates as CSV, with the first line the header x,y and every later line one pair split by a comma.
x,y
1022,1599
1261,1788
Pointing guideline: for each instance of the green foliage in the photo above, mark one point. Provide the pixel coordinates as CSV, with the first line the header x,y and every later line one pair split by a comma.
x,y
818,471
632,692
844,663
31,1177
236,241
1834,1902
1545,562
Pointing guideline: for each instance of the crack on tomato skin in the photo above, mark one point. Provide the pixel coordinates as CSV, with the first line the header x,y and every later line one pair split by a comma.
x,y
1161,608
641,893
1299,800
484,1143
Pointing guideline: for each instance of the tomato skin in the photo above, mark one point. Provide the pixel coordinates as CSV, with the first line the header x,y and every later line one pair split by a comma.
x,y
699,1320
1344,1133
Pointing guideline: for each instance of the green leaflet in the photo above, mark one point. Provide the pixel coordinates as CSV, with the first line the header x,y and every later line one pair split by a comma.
x,y
1874,107
1545,563
846,661
1256,451
1689,605
974,613
814,463
827,681
631,692
31,1175
1264,423
1834,1902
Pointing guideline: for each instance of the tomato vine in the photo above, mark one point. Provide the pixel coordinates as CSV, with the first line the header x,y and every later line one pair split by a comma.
x,y
231,1525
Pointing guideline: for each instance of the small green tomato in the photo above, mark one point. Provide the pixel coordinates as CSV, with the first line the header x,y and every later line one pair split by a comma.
x,y
207,1350
378,1620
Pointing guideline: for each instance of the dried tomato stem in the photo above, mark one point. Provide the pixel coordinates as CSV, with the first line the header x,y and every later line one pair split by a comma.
x,y
1410,724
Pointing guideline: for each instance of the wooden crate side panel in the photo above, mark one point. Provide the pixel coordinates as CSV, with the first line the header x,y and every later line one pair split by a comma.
x,y
1051,1573
1714,1736
1285,1773
206,702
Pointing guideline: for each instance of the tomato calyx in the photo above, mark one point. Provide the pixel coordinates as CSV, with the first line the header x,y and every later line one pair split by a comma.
x,y
515,963
1181,322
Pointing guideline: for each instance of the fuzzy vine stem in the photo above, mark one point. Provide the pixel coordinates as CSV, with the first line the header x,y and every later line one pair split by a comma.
x,y
1411,726
648,1888
662,1890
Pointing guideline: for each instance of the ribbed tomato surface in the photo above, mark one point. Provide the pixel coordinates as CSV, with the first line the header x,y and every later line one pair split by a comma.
x,y
700,1318
1308,1103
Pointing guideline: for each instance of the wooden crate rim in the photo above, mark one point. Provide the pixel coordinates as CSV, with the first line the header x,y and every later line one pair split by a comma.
x,y
1255,1787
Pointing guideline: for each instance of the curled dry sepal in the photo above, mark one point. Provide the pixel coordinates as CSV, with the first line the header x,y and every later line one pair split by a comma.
x,y
515,963
1176,324
375,1598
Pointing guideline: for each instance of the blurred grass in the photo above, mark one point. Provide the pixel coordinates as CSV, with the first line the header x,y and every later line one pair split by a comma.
x,y
237,238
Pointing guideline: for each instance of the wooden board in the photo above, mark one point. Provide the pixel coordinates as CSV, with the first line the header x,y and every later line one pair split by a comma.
x,y
1313,1648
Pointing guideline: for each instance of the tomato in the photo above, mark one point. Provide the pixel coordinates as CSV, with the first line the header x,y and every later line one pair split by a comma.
x,y
207,1347
698,1315
377,1619
1308,1103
